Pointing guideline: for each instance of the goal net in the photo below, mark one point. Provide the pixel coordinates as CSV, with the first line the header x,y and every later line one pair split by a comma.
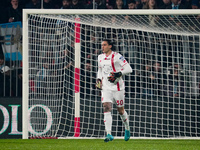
x,y
60,50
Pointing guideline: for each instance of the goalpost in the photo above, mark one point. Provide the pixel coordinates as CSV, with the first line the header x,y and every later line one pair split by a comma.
x,y
60,50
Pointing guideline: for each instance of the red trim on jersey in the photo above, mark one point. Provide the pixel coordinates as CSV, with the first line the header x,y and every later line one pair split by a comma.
x,y
124,64
113,67
112,62
118,86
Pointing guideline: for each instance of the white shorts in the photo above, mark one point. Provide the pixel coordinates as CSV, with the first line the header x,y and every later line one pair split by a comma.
x,y
116,97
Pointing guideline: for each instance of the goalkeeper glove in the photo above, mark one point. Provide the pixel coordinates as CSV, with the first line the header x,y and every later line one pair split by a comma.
x,y
99,84
114,77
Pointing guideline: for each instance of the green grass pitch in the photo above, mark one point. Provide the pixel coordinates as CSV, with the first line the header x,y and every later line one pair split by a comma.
x,y
98,144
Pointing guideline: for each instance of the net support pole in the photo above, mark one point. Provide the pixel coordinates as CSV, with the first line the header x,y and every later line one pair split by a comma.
x,y
77,78
25,118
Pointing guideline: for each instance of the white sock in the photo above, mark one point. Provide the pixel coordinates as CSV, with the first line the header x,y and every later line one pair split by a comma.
x,y
108,122
125,120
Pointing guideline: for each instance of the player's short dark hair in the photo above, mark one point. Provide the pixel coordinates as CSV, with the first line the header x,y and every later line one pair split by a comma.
x,y
109,42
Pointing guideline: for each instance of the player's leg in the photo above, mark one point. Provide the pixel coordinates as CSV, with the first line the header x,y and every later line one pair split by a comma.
x,y
125,119
119,100
107,107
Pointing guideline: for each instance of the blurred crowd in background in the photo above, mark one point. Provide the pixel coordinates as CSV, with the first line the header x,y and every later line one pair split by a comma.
x,y
11,10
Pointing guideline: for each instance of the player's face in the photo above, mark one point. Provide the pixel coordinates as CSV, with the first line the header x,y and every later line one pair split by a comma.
x,y
106,48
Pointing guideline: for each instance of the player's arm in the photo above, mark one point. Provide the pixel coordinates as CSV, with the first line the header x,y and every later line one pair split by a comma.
x,y
114,77
99,80
99,76
126,69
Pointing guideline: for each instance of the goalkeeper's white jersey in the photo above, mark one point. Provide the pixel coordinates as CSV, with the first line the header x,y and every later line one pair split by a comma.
x,y
115,62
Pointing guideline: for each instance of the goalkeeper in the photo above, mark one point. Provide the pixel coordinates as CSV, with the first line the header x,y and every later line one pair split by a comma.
x,y
111,67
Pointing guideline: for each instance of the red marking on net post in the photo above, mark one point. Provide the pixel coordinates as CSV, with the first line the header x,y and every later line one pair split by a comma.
x,y
77,127
77,30
77,80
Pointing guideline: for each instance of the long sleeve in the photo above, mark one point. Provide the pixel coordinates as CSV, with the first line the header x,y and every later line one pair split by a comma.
x,y
124,65
126,69
99,75
99,72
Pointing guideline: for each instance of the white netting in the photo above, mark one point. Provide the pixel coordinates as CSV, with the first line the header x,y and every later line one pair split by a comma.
x,y
160,104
